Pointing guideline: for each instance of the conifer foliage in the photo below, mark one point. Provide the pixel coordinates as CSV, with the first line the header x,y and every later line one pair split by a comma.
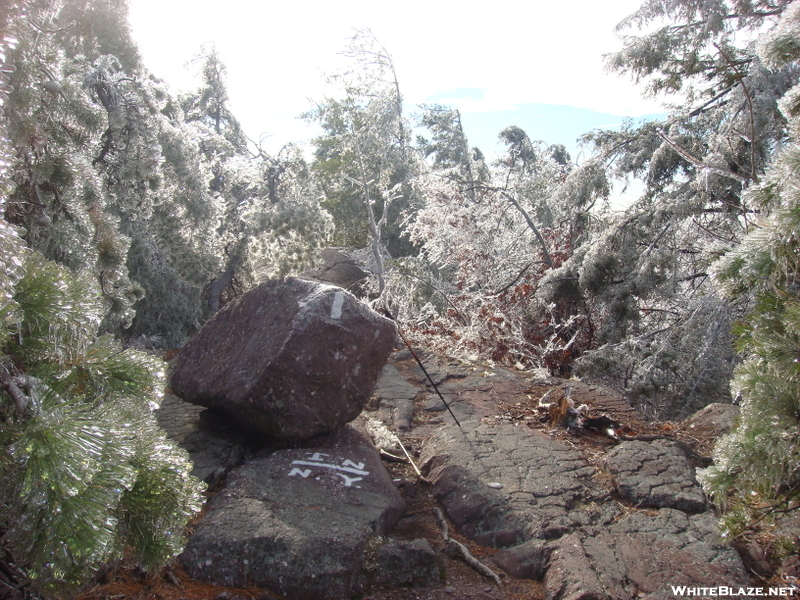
x,y
86,470
662,328
757,467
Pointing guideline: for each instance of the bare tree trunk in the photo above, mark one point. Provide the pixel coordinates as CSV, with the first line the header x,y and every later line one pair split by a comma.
x,y
375,232
224,279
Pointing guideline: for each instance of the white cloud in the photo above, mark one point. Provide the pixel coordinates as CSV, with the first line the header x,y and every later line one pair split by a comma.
x,y
276,52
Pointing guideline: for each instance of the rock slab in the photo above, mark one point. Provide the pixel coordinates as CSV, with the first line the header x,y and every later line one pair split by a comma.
x,y
298,521
341,270
550,511
395,563
501,484
642,556
290,359
655,475
715,419
213,451
395,397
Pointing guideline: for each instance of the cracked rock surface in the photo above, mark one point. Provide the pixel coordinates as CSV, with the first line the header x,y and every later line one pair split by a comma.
x,y
655,474
552,510
395,398
297,521
502,484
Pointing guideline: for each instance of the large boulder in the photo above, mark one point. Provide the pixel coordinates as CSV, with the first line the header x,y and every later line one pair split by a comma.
x,y
291,359
301,522
341,270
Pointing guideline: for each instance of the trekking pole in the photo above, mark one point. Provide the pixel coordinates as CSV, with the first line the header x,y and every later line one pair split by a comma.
x,y
421,366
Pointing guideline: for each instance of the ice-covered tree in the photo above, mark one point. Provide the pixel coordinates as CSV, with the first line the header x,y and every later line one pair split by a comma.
x,y
756,467
105,176
86,470
162,198
57,193
487,234
663,327
364,161
268,217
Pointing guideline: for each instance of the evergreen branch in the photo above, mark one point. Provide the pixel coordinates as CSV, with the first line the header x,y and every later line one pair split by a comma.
x,y
760,14
689,157
20,399
774,508
749,98
41,27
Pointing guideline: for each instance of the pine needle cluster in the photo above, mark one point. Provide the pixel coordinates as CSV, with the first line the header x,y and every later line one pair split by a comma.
x,y
87,472
756,469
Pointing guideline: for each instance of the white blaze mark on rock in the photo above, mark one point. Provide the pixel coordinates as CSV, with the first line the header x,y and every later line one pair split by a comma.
x,y
350,463
348,481
344,468
336,307
349,470
302,472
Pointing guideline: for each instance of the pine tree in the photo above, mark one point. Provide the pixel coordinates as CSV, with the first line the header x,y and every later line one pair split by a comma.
x,y
269,220
107,176
363,160
86,470
663,328
756,467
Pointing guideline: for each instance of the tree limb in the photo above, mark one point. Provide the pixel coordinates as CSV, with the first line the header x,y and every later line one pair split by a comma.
x,y
458,547
750,108
548,260
689,157
20,399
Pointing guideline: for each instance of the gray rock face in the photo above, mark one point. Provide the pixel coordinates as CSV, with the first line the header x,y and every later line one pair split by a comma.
x,y
297,521
395,398
291,359
310,523
715,419
655,475
550,511
502,485
641,556
527,560
400,563
340,270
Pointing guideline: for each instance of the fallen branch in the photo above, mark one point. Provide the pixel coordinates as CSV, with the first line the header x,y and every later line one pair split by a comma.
x,y
453,547
392,457
408,456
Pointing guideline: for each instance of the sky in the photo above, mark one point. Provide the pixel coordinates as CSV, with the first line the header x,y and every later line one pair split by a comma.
x,y
537,65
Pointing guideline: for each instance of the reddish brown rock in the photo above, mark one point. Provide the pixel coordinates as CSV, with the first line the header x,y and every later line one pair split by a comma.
x,y
290,359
